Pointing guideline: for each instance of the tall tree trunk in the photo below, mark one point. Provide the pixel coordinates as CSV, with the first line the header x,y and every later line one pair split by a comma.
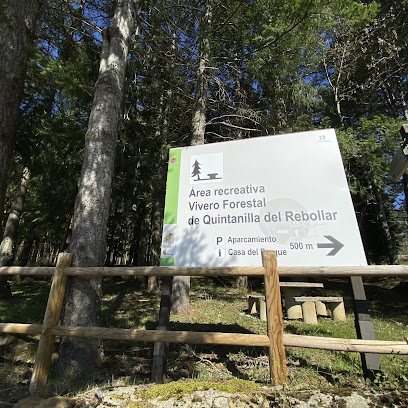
x,y
23,252
180,298
160,186
405,175
63,244
135,246
8,243
166,104
156,229
78,357
200,103
17,21
240,281
382,217
32,259
405,188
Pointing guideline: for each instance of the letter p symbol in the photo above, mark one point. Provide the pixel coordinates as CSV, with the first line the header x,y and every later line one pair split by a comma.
x,y
220,240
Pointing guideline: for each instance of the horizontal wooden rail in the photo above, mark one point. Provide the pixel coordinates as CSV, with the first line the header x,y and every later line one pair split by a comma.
x,y
347,345
344,271
283,271
27,270
20,328
232,339
165,271
235,339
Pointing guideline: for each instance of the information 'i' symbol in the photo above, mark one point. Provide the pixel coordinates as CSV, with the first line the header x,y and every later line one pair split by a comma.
x,y
219,252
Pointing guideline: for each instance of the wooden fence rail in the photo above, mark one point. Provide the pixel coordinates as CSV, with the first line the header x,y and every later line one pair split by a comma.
x,y
275,340
233,339
284,271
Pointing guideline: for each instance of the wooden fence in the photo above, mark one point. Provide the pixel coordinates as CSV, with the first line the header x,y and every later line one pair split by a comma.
x,y
275,340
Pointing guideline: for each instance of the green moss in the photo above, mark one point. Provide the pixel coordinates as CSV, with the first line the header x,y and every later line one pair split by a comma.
x,y
115,396
179,389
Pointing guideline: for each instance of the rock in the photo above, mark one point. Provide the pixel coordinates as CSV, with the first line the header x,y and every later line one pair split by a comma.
x,y
212,399
112,397
356,400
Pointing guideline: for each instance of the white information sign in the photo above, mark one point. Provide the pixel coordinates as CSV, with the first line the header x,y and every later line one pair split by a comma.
x,y
225,202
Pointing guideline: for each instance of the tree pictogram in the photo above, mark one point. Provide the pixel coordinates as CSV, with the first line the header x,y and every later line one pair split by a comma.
x,y
196,170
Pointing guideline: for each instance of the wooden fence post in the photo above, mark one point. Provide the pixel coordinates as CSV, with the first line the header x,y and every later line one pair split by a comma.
x,y
160,349
364,327
277,355
51,318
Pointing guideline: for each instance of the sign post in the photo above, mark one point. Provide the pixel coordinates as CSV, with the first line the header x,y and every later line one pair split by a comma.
x,y
227,202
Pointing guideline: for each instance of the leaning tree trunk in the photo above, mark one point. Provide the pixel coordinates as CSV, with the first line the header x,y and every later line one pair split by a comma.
x,y
17,21
180,297
8,243
78,357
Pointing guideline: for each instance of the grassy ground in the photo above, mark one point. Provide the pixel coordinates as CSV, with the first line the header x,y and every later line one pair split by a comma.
x,y
215,306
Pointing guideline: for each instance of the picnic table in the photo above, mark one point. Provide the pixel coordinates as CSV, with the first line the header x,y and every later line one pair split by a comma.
x,y
290,290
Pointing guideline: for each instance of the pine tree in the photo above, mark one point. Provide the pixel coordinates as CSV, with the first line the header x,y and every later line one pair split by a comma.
x,y
88,243
196,170
17,23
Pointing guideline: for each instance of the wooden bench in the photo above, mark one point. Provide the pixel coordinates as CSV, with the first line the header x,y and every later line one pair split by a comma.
x,y
256,304
309,307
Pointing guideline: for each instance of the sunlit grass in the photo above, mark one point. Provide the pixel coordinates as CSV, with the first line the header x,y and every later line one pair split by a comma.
x,y
215,306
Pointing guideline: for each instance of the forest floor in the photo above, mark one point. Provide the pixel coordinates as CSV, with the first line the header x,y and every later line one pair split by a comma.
x,y
215,306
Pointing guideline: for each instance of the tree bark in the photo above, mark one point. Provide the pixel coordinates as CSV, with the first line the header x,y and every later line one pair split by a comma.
x,y
240,281
8,243
78,357
23,252
17,22
180,297
200,103
382,217
160,185
405,188
156,229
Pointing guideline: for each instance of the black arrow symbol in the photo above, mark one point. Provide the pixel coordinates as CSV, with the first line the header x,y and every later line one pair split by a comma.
x,y
335,245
